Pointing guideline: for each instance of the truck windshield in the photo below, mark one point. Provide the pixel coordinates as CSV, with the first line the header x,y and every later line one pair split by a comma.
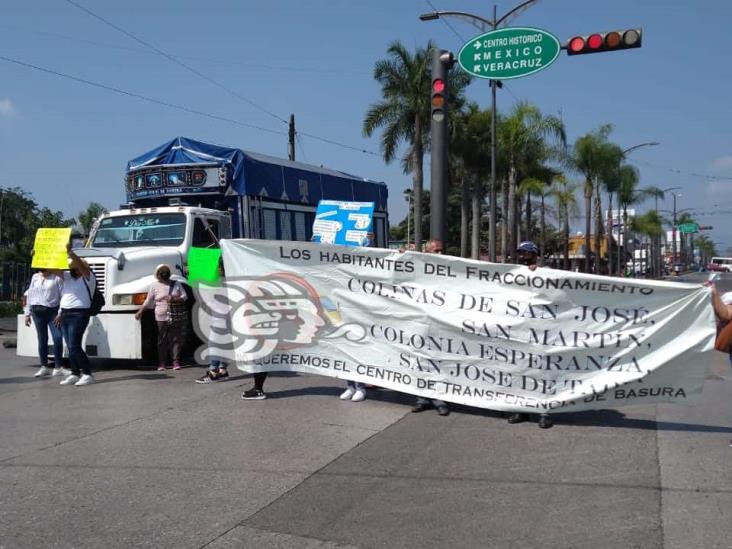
x,y
126,231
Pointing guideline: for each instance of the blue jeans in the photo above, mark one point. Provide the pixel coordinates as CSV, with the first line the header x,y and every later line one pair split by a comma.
x,y
355,385
43,321
216,364
73,326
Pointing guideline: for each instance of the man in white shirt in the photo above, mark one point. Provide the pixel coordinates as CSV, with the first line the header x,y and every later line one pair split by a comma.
x,y
76,300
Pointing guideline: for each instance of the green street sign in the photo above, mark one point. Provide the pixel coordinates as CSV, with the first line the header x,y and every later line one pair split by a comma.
x,y
688,228
511,52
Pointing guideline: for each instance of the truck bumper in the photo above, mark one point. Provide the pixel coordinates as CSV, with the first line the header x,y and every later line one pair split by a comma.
x,y
108,336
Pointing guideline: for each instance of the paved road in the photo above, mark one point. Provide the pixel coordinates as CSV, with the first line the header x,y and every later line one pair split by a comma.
x,y
148,459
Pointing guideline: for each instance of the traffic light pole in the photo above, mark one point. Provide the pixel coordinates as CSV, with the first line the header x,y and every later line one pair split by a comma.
x,y
673,236
482,24
493,192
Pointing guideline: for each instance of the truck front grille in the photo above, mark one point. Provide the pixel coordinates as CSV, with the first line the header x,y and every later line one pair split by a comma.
x,y
100,273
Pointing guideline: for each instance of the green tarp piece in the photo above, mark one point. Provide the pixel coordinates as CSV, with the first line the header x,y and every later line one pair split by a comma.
x,y
203,265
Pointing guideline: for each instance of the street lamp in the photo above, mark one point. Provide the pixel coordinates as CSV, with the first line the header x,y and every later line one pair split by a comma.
x,y
624,153
483,24
659,263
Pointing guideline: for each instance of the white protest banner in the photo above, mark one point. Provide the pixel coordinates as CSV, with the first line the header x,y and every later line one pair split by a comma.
x,y
475,333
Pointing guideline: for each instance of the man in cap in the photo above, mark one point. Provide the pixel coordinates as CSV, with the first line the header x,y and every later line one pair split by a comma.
x,y
528,254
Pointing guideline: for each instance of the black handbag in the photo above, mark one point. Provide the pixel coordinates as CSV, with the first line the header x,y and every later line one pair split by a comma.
x,y
97,300
177,310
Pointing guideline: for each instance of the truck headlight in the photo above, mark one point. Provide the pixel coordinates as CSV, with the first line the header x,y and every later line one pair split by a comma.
x,y
129,299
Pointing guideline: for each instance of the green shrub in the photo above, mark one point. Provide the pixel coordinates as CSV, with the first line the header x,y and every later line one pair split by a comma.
x,y
10,308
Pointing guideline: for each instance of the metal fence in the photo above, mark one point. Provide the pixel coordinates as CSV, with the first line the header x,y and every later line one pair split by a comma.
x,y
15,278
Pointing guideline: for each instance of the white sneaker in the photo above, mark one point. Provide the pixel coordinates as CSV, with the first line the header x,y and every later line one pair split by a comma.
x,y
43,371
70,380
61,372
347,394
359,395
86,379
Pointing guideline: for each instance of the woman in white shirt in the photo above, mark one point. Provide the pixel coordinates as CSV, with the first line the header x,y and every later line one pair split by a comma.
x,y
73,318
41,307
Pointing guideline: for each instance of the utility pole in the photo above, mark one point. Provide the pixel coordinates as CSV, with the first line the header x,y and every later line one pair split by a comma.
x,y
673,236
291,139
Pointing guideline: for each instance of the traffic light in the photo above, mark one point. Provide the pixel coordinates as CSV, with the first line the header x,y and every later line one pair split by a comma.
x,y
705,227
442,61
440,67
608,41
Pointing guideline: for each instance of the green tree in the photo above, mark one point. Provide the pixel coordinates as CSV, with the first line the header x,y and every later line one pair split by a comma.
x,y
20,218
539,184
565,195
650,225
89,215
471,143
522,135
403,111
592,156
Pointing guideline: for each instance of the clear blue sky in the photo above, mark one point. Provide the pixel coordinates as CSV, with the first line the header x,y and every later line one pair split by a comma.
x,y
68,143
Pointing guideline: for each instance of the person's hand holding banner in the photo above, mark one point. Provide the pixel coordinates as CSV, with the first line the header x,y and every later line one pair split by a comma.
x,y
50,249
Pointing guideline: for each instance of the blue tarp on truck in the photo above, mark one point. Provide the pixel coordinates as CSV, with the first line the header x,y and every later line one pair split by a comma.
x,y
268,197
254,174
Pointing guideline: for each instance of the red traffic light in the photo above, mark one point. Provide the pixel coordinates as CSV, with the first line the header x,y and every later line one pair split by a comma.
x,y
595,41
438,86
608,41
576,45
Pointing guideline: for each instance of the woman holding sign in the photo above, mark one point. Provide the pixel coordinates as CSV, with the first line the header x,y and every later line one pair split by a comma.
x,y
41,306
73,318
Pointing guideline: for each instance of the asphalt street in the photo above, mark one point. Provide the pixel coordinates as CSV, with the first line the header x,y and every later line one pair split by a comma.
x,y
151,459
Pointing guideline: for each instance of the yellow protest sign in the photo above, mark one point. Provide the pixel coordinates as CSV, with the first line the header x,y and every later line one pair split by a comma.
x,y
50,249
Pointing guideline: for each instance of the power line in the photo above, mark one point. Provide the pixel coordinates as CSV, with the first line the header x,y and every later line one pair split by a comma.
x,y
302,150
331,142
229,62
682,172
175,106
177,61
218,84
138,96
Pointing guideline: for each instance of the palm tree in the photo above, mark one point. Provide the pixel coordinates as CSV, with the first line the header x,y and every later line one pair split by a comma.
x,y
403,112
565,194
471,143
656,193
683,219
611,182
522,135
650,224
628,195
591,156
707,249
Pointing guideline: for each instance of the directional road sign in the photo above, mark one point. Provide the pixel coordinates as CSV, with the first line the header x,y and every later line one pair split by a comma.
x,y
511,52
688,228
